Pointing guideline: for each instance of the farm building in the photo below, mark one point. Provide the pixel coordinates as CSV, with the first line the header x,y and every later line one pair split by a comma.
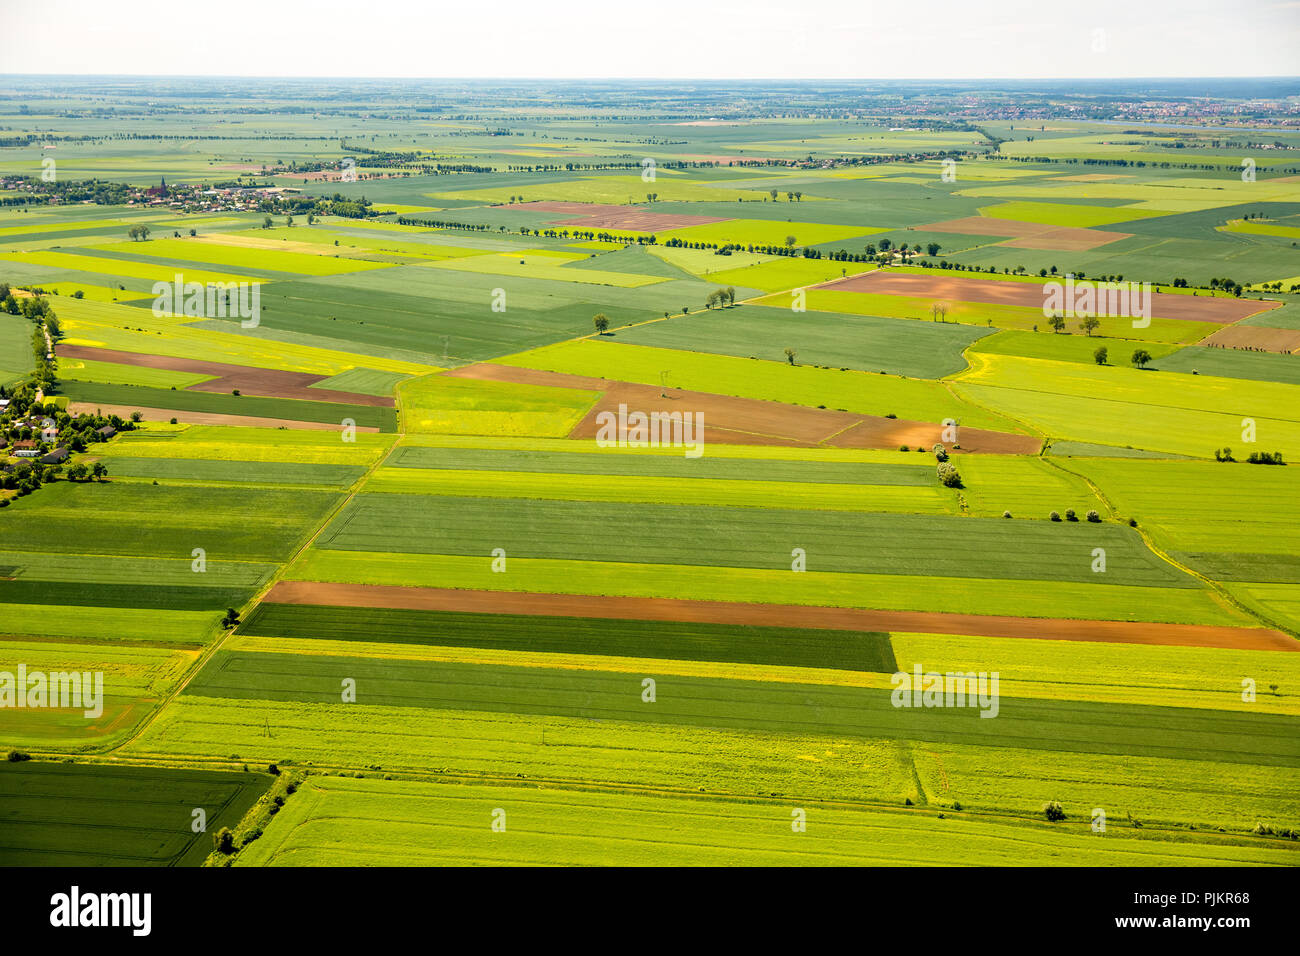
x,y
56,457
26,449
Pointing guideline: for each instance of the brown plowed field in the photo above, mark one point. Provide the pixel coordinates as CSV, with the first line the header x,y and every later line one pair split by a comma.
x,y
1165,305
748,421
204,418
266,382
1030,235
586,215
774,615
1256,337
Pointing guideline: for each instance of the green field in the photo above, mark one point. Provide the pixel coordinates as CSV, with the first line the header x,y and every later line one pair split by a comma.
x,y
753,537
859,342
771,707
1106,405
337,735
851,390
846,650
77,815
432,824
244,523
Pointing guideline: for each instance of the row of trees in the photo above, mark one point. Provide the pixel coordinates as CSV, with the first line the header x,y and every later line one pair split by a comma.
x,y
721,298
1255,457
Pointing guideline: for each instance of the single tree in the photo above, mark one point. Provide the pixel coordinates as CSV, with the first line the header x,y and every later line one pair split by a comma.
x,y
601,321
1141,357
224,841
1100,355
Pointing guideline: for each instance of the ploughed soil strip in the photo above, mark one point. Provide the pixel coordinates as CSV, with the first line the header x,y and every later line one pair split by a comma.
x,y
1256,337
1165,305
205,418
590,215
774,615
264,382
750,421
1030,235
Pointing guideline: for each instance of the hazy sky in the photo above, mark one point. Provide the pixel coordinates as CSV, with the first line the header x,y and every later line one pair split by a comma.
x,y
665,38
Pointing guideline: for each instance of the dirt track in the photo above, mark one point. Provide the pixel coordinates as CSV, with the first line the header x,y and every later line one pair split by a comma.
x,y
748,421
264,382
1165,305
774,615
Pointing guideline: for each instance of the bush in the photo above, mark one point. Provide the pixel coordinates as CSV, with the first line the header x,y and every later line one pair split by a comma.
x,y
940,452
1053,811
224,841
949,475
1132,522
1054,516
1070,515
1094,517
904,448
1006,514
1266,458
18,756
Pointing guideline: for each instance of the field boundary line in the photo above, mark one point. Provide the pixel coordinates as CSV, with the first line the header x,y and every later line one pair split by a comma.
x,y
1220,592
948,381
211,650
